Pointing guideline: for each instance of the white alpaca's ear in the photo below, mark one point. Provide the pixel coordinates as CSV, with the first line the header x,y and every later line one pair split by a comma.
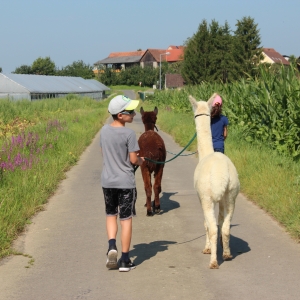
x,y
193,102
211,100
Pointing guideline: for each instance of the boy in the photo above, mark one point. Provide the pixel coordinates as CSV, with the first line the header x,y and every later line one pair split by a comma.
x,y
119,149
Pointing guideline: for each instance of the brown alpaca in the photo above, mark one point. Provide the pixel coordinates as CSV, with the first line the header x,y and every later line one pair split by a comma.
x,y
151,146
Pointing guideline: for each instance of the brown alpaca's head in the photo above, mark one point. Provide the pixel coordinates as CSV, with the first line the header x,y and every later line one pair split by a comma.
x,y
149,118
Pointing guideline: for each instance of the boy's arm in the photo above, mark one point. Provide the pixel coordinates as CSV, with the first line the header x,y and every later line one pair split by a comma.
x,y
135,159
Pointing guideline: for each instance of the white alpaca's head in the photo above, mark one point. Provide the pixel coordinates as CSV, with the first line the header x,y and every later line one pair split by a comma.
x,y
202,107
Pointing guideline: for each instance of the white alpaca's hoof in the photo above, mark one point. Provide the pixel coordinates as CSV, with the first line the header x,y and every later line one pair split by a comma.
x,y
214,265
227,256
206,251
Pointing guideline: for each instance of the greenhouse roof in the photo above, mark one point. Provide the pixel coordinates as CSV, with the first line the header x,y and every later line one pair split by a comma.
x,y
55,84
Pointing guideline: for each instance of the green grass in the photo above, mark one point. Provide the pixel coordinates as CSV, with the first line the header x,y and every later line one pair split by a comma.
x,y
131,87
75,121
269,179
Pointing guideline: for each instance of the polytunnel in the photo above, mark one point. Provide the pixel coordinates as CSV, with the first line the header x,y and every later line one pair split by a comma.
x,y
34,87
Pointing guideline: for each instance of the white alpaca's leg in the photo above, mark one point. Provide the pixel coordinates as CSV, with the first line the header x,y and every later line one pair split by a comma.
x,y
221,219
211,222
206,250
229,209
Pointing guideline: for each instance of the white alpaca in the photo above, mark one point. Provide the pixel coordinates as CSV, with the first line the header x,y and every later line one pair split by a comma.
x,y
216,181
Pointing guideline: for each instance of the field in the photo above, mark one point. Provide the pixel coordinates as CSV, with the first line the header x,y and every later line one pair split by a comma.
x,y
39,142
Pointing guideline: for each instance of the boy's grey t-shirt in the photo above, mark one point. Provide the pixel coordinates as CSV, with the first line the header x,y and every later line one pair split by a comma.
x,y
116,143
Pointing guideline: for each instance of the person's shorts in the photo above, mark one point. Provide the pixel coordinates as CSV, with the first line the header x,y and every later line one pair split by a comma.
x,y
120,201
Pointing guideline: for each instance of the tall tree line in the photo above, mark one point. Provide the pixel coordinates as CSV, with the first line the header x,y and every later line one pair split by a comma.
x,y
45,66
213,53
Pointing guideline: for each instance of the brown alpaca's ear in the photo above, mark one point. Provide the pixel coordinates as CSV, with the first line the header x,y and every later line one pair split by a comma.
x,y
156,110
193,102
142,110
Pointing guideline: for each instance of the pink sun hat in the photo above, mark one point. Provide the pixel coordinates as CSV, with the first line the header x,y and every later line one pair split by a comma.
x,y
217,99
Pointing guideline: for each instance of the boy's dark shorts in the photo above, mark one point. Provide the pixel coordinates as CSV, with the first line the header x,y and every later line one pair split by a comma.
x,y
120,200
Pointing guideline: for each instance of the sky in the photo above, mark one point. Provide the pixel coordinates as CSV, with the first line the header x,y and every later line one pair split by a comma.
x,y
89,30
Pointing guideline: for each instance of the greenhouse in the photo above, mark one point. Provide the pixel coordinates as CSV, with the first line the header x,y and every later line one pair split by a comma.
x,y
35,87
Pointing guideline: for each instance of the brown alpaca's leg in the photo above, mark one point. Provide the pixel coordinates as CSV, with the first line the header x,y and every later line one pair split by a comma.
x,y
157,188
148,189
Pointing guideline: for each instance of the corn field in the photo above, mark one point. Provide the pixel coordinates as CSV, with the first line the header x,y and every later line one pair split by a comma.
x,y
266,109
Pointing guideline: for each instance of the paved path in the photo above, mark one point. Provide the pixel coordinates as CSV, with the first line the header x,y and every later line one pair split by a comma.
x,y
68,244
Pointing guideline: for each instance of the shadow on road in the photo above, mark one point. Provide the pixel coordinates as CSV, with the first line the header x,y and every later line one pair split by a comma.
x,y
146,251
237,247
166,204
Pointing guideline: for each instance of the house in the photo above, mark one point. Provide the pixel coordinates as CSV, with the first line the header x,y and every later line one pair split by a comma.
x,y
149,57
119,60
152,57
273,57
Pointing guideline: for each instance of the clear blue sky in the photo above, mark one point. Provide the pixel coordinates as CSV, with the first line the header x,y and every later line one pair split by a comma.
x,y
88,30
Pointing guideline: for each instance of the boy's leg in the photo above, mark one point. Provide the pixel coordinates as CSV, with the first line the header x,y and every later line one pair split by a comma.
x,y
127,210
125,263
126,234
112,252
111,207
111,227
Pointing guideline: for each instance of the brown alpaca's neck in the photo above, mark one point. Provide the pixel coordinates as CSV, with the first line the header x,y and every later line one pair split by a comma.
x,y
204,138
149,126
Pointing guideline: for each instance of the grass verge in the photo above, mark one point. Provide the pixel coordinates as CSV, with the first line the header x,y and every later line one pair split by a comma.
x,y
39,142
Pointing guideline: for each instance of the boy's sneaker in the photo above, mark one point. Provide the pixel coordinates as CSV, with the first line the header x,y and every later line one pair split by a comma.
x,y
125,266
112,256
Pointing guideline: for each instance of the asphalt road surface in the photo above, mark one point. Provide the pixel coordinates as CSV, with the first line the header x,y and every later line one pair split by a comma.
x,y
68,244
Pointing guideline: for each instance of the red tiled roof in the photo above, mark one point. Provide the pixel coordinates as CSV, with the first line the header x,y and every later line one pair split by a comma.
x,y
275,56
132,53
156,54
175,55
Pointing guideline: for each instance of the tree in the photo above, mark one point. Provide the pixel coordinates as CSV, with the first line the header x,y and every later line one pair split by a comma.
x,y
43,66
196,56
0,70
222,66
78,69
247,45
23,69
209,55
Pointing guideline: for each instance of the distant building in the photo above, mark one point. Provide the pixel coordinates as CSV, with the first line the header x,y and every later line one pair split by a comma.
x,y
149,57
35,87
153,57
273,57
119,60
174,81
